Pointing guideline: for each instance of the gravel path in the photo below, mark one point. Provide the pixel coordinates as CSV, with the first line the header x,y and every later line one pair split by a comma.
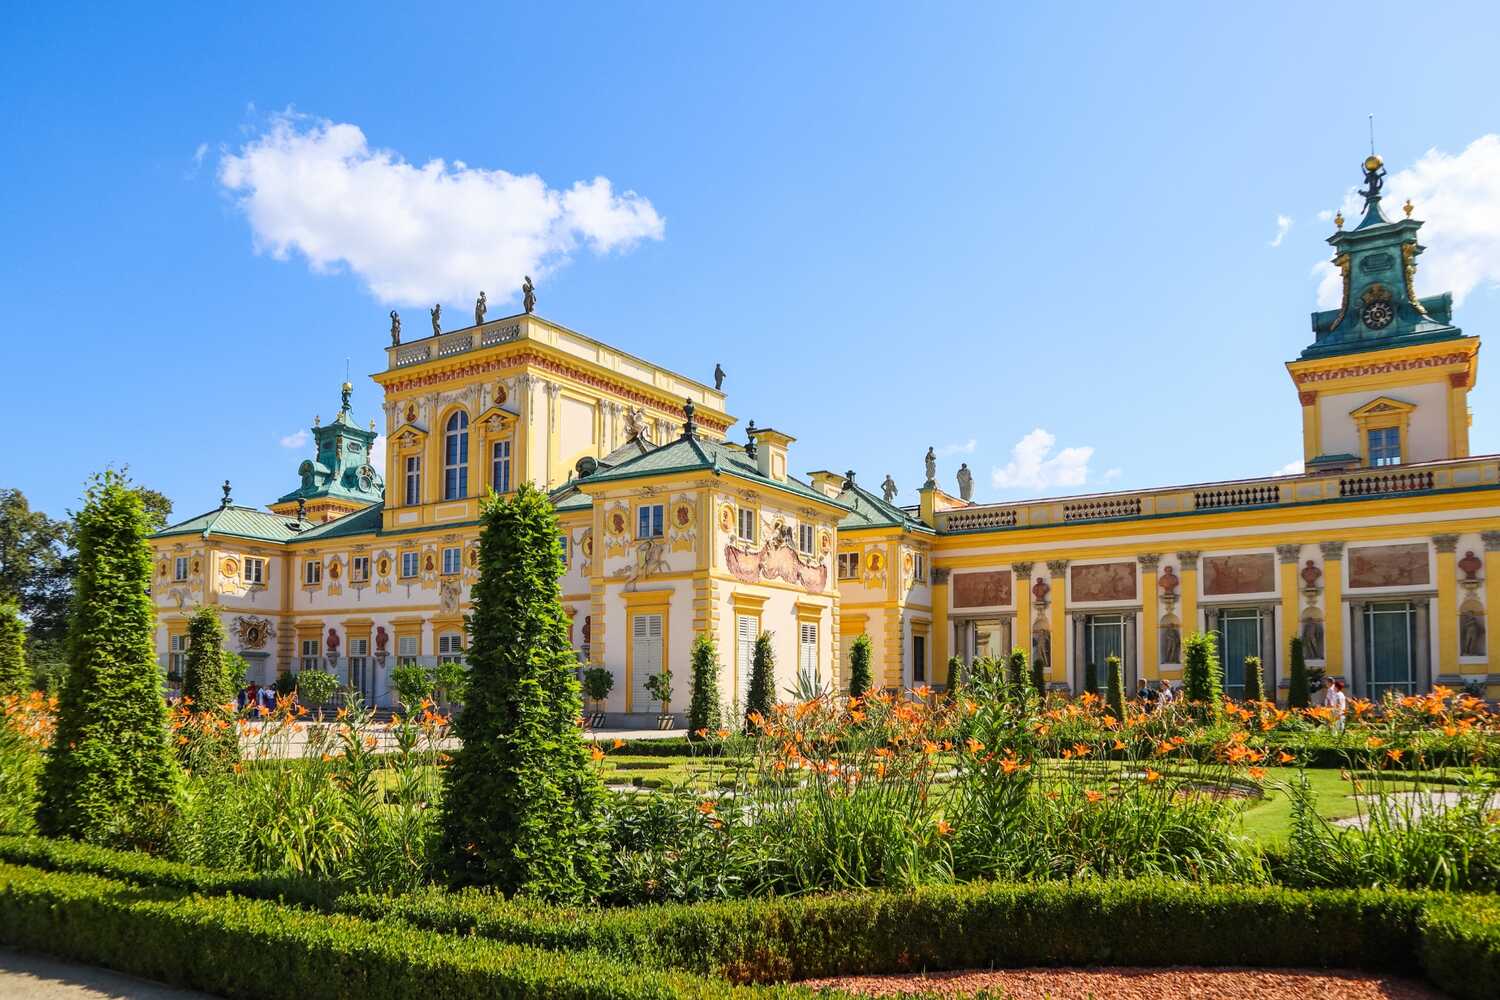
x,y
32,977
1170,983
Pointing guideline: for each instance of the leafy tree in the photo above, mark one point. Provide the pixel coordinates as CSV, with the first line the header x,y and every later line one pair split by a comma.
x,y
14,677
413,684
659,687
524,806
860,678
1202,679
158,508
450,679
703,706
1255,682
1115,695
315,687
598,682
208,691
110,772
34,566
761,696
1296,692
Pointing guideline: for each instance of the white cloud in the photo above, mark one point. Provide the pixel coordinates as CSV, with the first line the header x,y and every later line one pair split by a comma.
x,y
1458,197
1033,466
418,234
296,440
199,154
377,453
1110,475
1291,469
1283,223
1325,215
967,448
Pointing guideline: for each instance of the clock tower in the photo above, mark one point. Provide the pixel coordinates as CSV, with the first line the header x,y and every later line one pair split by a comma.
x,y
1386,379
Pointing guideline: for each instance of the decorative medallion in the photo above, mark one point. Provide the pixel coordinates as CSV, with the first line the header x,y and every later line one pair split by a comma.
x,y
1040,590
383,567
500,394
586,544
1378,312
230,567
411,413
726,525
333,569
825,541
1311,574
683,514
617,522
253,632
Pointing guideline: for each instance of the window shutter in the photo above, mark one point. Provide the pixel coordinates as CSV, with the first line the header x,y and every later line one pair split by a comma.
x,y
646,660
746,628
808,651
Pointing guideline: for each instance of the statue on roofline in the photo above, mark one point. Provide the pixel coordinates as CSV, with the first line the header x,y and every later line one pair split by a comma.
x,y
528,295
965,482
436,312
480,306
395,328
931,462
888,488
718,376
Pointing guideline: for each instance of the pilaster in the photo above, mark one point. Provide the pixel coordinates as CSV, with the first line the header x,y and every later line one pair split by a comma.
x,y
1020,583
1059,597
1333,608
1187,565
939,640
1491,541
1291,617
1148,646
1447,604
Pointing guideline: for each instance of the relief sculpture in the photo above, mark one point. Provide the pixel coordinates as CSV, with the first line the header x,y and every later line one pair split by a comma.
x,y
1242,574
1103,582
1388,566
981,590
777,559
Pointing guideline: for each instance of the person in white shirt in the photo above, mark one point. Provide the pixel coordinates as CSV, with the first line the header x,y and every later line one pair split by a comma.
x,y
1339,704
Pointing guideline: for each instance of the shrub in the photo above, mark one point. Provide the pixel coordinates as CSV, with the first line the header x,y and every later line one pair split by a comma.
x,y
1091,677
761,696
110,774
703,707
315,687
955,673
1116,695
659,687
859,666
524,805
1460,945
1255,681
15,678
1202,683
206,716
1039,677
1017,677
285,684
598,682
1297,685
26,725
450,680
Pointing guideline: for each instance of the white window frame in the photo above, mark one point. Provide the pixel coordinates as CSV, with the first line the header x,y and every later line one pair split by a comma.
x,y
918,567
456,456
311,657
416,565
651,521
359,569
500,463
312,573
451,647
177,647
408,647
745,524
562,548
807,651
180,569
807,539
453,560
413,480
848,565
255,571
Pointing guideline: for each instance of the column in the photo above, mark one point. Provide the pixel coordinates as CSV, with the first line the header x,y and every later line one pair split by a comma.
x,y
1359,655
1491,541
1291,615
1422,666
1059,597
1312,446
1079,628
1020,582
553,475
941,632
1188,567
1129,669
1447,604
1333,608
1149,646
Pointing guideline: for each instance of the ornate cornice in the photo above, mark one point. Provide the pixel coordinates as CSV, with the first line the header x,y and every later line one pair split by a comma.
x,y
1188,560
1332,550
1491,540
1057,567
1445,543
1149,561
1381,367
1289,553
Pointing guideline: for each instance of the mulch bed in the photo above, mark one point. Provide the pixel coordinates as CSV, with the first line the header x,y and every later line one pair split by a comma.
x,y
1169,983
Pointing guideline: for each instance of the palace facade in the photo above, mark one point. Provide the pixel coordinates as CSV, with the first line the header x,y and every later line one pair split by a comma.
x,y
1383,556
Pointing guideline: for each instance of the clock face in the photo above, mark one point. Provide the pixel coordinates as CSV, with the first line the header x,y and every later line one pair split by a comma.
x,y
1378,315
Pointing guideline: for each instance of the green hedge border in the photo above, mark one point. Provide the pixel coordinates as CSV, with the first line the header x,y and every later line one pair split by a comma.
x,y
1453,939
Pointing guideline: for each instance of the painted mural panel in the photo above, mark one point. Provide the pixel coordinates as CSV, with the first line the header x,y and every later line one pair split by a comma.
x,y
1103,582
981,590
1242,574
1388,566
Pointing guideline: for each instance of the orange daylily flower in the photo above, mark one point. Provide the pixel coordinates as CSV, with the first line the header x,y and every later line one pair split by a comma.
x,y
596,754
1152,776
617,744
1092,795
1394,754
1285,757
706,807
1257,773
943,828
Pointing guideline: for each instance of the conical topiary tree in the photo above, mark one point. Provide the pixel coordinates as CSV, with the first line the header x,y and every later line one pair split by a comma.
x,y
1116,687
1039,677
13,675
110,775
859,666
761,696
1255,681
1017,678
1296,692
523,806
703,706
1091,677
1201,681
955,674
209,695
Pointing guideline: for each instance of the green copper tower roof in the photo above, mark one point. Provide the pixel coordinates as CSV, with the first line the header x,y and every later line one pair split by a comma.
x,y
342,469
1380,308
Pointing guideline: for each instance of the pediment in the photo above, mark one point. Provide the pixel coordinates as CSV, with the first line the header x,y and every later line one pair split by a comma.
x,y
408,436
497,420
1382,405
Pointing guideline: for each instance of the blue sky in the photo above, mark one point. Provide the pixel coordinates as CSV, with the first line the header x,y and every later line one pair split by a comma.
x,y
955,226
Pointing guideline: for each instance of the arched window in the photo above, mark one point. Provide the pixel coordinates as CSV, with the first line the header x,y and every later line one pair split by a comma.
x,y
456,457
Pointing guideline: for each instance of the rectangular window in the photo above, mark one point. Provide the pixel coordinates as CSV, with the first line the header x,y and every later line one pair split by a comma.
x,y
746,628
255,571
176,655
450,648
408,646
180,568
453,561
312,574
848,565
806,538
646,659
359,647
413,480
919,659
409,562
1385,446
919,568
651,521
500,467
562,548
747,524
310,658
359,569
807,652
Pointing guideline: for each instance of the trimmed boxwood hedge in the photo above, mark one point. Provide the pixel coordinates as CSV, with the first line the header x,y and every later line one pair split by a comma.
x,y
1461,945
237,947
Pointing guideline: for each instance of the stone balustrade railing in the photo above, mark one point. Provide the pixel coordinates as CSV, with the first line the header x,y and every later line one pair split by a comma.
x,y
1217,497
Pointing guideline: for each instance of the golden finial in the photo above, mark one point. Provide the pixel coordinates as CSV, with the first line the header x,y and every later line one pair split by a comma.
x,y
1373,163
1408,208
1338,219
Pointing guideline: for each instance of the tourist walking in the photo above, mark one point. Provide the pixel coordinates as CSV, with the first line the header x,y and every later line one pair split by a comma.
x,y
1338,704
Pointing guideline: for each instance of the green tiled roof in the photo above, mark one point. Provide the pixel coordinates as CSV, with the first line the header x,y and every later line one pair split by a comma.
x,y
238,522
695,454
866,510
362,522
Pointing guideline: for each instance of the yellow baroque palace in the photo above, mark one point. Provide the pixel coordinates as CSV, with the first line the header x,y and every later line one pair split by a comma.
x,y
1383,556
